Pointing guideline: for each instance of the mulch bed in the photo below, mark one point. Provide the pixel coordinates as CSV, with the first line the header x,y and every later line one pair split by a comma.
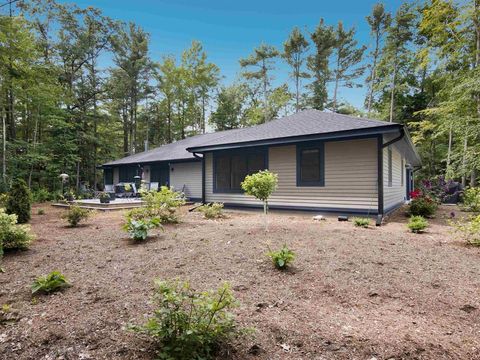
x,y
377,293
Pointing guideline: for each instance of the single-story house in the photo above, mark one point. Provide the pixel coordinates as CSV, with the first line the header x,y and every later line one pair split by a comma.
x,y
325,162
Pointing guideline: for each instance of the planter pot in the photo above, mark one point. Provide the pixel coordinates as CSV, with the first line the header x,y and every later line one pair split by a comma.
x,y
104,201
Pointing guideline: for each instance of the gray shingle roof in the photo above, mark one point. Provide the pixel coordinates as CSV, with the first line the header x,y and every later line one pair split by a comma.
x,y
307,122
170,152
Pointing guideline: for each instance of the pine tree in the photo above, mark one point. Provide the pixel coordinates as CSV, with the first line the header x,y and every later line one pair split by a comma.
x,y
324,39
19,201
347,58
294,53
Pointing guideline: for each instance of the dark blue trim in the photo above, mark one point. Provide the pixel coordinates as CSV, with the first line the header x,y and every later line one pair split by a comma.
x,y
304,208
337,135
194,199
260,150
320,146
380,173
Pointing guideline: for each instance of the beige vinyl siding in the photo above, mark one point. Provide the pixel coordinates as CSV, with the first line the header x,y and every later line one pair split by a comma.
x,y
188,175
395,194
116,175
146,173
350,178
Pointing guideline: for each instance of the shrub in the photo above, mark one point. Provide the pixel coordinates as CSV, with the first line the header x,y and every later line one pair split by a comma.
x,y
42,195
417,224
282,258
469,230
13,236
261,185
76,214
422,206
212,211
40,211
138,229
163,204
471,199
361,222
52,282
188,324
19,201
3,200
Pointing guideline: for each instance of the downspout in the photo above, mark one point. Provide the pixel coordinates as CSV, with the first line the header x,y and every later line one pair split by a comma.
x,y
380,147
202,158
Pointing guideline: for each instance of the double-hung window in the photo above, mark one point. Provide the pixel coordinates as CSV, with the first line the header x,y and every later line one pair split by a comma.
x,y
311,165
230,168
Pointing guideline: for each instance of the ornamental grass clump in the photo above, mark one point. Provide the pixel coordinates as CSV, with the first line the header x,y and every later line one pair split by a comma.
x,y
361,222
282,258
261,185
50,283
189,324
417,224
212,211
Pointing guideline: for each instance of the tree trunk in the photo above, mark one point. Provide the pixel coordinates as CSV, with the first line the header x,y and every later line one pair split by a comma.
x,y
373,74
392,92
464,162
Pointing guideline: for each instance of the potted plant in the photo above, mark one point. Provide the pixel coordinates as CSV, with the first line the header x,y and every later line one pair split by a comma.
x,y
69,196
104,198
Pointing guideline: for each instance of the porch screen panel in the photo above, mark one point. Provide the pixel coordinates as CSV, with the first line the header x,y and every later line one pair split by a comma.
x,y
222,172
127,173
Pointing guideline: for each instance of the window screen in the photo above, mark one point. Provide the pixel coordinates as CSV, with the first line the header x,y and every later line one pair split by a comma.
x,y
390,166
310,165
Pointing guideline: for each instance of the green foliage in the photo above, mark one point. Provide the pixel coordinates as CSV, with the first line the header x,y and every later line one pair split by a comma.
x,y
42,195
138,229
3,200
260,185
188,324
361,222
41,211
417,224
163,204
47,284
422,206
471,199
13,236
76,214
211,211
282,258
469,230
19,201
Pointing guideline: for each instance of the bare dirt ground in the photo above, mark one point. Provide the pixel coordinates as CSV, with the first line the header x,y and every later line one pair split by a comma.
x,y
378,293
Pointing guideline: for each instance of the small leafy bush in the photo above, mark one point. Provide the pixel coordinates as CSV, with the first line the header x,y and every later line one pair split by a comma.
x,y
422,206
138,229
76,214
42,195
19,201
261,185
471,199
282,258
40,211
469,230
3,200
361,222
188,324
13,236
52,282
163,204
417,224
212,211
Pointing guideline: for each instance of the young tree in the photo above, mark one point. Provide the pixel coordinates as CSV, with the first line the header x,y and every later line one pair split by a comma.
x,y
347,61
229,112
262,60
294,53
324,39
379,22
19,201
261,185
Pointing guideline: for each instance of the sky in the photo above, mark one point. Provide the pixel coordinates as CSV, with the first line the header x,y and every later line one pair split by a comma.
x,y
230,30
